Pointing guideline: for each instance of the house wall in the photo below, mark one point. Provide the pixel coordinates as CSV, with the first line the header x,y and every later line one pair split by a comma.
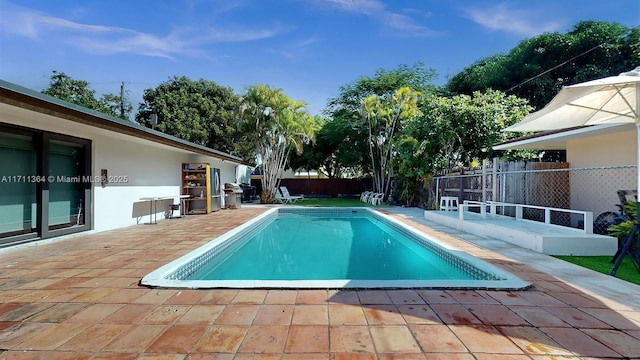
x,y
145,168
595,191
150,171
617,148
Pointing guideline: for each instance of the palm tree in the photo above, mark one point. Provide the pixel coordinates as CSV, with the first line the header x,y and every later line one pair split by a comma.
x,y
278,125
385,117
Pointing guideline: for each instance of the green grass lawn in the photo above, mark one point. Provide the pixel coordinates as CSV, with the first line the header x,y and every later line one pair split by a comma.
x,y
602,264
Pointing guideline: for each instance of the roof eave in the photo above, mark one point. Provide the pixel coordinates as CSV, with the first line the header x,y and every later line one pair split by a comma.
x,y
19,96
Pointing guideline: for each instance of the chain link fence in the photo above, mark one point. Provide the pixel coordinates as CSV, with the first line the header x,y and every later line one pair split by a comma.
x,y
555,185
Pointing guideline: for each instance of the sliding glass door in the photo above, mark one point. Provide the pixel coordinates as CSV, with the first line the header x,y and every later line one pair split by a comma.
x,y
45,186
66,192
18,205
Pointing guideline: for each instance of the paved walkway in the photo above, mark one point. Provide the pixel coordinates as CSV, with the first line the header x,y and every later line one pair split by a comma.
x,y
79,298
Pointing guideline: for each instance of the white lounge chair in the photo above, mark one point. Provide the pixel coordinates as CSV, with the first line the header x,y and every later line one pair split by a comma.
x,y
376,199
278,196
289,197
364,197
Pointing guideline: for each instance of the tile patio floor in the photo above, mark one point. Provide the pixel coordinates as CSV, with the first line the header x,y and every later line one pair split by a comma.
x,y
79,298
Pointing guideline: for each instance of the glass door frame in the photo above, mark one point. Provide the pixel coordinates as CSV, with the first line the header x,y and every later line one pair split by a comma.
x,y
43,216
34,233
41,140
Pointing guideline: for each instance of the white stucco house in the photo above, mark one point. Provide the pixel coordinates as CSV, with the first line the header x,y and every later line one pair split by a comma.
x,y
43,138
606,154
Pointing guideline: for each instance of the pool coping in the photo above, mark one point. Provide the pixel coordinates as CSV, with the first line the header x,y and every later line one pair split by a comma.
x,y
158,278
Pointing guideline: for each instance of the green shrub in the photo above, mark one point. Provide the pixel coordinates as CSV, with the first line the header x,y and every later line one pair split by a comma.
x,y
622,230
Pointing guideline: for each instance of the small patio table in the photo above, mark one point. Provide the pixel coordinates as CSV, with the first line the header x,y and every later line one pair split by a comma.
x,y
153,211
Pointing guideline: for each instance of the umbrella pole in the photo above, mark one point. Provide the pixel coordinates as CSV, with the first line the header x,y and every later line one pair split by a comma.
x,y
635,230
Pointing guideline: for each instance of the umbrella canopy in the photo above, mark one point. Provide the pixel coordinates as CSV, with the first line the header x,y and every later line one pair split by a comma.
x,y
610,100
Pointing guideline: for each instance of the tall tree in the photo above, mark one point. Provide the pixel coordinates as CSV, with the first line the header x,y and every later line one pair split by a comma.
x,y
332,153
415,163
464,127
277,125
64,87
537,68
385,117
384,82
198,111
346,107
451,131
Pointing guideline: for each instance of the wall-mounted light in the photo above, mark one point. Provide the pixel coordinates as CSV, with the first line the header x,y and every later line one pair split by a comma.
x,y
104,178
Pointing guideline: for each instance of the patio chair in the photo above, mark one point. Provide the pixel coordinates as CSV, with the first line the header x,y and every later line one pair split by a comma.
x,y
289,197
278,196
376,199
172,209
364,197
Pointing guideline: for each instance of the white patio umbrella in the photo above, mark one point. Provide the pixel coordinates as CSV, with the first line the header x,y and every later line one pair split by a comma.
x,y
610,100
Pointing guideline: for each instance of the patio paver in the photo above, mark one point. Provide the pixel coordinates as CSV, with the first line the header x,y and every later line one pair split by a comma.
x,y
78,298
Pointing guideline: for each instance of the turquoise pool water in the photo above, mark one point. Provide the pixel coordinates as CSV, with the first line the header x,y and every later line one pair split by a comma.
x,y
328,248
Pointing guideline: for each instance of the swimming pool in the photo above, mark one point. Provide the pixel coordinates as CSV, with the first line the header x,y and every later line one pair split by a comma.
x,y
292,247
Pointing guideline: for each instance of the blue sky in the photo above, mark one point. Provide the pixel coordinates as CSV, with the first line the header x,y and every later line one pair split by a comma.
x,y
309,48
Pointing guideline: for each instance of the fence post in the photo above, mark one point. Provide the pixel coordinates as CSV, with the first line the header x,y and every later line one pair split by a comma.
x,y
518,212
461,182
437,191
504,167
547,216
588,222
494,180
483,182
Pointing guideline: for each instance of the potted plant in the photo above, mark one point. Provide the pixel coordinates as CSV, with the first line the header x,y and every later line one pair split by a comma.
x,y
622,230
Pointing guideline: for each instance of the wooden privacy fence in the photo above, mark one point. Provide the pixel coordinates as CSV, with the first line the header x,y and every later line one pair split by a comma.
x,y
321,187
530,184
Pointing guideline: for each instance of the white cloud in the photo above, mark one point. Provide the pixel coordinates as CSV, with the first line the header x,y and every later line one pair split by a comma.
x,y
226,6
501,17
32,24
367,7
306,42
377,10
103,39
242,34
283,53
294,50
406,24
